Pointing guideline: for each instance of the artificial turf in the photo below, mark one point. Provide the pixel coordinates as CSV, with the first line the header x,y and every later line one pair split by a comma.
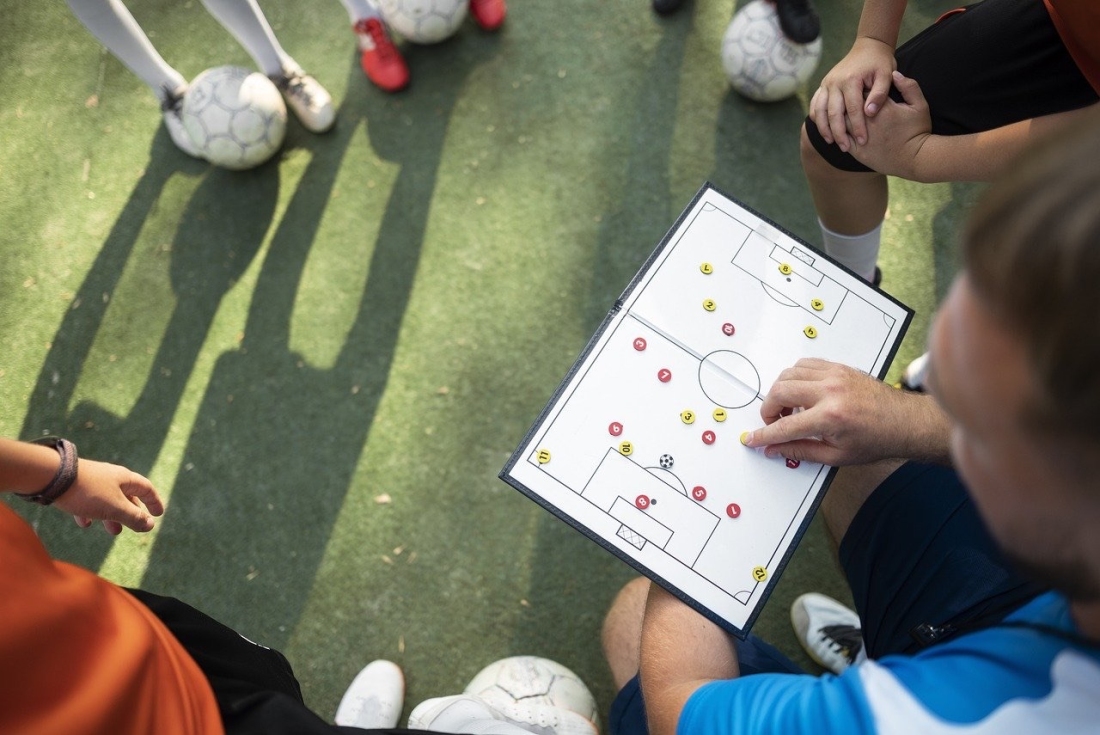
x,y
324,362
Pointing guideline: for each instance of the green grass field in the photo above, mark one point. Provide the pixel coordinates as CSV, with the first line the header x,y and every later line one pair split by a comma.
x,y
324,362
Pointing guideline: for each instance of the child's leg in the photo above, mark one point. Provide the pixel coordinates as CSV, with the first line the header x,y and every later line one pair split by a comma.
x,y
245,20
304,95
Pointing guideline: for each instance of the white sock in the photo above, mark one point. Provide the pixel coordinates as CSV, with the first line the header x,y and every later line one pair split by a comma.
x,y
245,20
857,252
916,372
360,9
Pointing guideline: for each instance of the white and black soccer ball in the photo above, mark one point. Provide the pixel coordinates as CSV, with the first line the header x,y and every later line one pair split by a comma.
x,y
760,62
424,21
533,680
666,461
235,116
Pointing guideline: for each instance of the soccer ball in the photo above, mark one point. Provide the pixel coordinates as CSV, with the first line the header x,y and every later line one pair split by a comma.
x,y
236,117
760,61
424,21
533,680
666,461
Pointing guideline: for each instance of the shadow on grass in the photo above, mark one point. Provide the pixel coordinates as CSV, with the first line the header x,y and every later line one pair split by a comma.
x,y
277,441
574,580
644,214
213,246
757,161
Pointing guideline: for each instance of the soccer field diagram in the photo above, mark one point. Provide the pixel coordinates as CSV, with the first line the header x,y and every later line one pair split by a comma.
x,y
640,448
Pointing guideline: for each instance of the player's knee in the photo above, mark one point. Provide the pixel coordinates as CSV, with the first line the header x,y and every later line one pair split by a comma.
x,y
822,161
813,164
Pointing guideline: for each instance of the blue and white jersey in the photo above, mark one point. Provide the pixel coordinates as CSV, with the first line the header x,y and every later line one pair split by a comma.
x,y
1009,678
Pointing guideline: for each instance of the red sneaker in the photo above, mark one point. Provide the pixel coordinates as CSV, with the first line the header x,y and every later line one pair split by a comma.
x,y
489,14
381,61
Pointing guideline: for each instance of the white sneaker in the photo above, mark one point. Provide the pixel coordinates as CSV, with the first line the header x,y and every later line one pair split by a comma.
x,y
307,98
915,374
828,631
374,698
463,713
172,107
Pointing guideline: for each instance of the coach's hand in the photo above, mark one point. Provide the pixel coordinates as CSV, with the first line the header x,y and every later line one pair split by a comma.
x,y
821,411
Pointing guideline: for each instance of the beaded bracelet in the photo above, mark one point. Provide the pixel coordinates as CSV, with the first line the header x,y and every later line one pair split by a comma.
x,y
66,472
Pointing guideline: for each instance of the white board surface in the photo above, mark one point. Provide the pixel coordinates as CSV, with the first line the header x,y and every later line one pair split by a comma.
x,y
639,447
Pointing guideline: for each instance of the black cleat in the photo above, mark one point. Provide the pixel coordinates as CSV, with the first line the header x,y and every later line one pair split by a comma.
x,y
797,19
664,7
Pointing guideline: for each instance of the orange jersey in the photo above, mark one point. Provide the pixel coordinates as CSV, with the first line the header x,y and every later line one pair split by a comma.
x,y
81,655
1078,23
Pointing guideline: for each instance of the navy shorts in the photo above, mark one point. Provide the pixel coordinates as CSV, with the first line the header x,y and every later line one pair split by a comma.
x,y
916,556
995,63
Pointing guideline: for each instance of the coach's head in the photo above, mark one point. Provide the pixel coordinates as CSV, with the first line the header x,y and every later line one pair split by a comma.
x,y
1016,363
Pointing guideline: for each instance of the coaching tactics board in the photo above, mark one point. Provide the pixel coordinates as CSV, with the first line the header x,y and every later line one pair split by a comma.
x,y
640,446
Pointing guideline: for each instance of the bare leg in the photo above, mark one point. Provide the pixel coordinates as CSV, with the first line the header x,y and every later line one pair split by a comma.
x,y
849,203
622,631
850,488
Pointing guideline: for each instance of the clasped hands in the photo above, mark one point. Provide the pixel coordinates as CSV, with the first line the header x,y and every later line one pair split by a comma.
x,y
852,109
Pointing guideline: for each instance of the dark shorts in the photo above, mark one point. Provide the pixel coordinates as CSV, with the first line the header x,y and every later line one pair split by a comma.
x,y
754,656
254,685
996,63
915,555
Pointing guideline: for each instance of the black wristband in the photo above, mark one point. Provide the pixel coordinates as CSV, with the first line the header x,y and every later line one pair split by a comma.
x,y
66,472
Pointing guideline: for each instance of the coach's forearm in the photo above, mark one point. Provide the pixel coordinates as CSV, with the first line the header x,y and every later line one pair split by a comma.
x,y
929,436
